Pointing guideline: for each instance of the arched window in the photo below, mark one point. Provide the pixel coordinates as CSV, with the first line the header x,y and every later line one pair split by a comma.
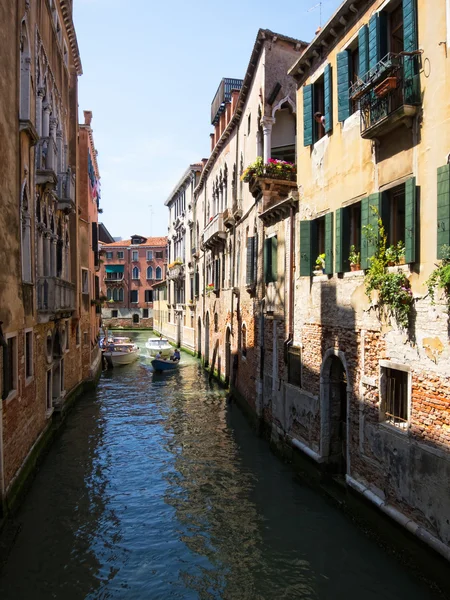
x,y
158,273
120,294
115,294
244,340
135,273
25,74
26,236
109,294
149,272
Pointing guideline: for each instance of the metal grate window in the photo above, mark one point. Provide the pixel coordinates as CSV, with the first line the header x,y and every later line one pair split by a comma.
x,y
294,366
396,397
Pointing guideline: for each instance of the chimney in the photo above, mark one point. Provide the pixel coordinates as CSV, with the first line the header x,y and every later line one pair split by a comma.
x,y
234,98
213,142
228,113
87,117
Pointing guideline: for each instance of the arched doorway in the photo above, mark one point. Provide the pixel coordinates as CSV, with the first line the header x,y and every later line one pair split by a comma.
x,y
207,339
334,391
228,356
199,338
135,319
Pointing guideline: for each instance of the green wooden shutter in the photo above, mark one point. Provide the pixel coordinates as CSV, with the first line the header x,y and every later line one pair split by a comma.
x,y
274,258
364,223
308,115
377,38
267,259
443,209
410,43
250,260
410,220
338,253
305,249
363,50
343,84
374,204
328,99
329,243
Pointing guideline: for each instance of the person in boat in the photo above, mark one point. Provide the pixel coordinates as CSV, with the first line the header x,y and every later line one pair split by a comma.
x,y
158,355
176,354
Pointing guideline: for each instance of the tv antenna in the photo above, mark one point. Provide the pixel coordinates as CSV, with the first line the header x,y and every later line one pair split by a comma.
x,y
319,6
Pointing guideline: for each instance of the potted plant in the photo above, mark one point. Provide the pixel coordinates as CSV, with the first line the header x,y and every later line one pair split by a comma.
x,y
354,258
320,264
391,255
400,253
210,287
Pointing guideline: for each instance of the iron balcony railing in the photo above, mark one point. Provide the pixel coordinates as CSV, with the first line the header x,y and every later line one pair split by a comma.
x,y
398,86
55,295
223,95
383,67
113,277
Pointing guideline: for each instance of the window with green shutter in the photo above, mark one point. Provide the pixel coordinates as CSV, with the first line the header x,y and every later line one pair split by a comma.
x,y
307,115
363,47
443,209
343,84
306,265
328,99
329,252
270,259
410,220
370,211
348,234
250,271
377,37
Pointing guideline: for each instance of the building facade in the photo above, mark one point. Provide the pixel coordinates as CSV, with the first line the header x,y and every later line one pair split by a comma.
x,y
40,293
180,324
239,220
372,400
128,271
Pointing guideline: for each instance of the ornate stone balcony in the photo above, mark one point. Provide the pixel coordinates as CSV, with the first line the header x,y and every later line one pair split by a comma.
x,y
228,218
55,297
214,233
175,272
66,191
47,160
276,197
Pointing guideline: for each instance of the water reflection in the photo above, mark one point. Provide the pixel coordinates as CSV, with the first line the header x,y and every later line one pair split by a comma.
x,y
157,489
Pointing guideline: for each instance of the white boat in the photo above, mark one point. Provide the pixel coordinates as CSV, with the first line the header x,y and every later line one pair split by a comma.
x,y
120,351
155,345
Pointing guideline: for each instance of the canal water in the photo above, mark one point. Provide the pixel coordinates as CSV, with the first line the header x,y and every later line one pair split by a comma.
x,y
158,489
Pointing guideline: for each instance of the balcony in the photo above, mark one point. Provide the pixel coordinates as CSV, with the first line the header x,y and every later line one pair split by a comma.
x,y
228,219
237,209
223,96
175,272
389,95
214,233
66,191
47,160
55,296
113,277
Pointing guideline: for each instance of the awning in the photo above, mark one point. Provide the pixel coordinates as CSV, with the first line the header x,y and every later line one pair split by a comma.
x,y
114,268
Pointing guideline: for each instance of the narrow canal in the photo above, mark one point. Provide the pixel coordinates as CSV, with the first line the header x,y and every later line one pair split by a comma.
x,y
157,489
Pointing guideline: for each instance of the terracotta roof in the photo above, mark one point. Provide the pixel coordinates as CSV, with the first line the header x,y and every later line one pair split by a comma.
x,y
151,241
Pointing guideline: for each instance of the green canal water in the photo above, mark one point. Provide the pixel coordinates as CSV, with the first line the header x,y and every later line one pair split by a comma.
x,y
158,489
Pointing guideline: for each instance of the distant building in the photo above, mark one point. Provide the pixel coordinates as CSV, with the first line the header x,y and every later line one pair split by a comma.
x,y
129,269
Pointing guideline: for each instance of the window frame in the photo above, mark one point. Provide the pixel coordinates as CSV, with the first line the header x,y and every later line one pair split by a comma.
x,y
120,255
109,255
137,296
84,281
149,254
14,389
382,390
134,255
29,331
134,270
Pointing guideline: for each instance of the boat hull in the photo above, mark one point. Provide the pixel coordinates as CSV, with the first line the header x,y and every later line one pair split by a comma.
x,y
122,358
161,346
165,365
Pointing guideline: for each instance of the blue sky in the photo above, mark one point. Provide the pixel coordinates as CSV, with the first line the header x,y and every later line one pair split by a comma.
x,y
151,70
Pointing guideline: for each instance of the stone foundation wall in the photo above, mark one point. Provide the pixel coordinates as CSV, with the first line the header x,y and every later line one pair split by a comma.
x,y
127,323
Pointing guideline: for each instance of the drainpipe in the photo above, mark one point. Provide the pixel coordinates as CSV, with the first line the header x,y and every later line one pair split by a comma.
x,y
289,340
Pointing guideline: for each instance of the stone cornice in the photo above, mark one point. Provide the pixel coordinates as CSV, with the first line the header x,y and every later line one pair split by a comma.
x,y
66,9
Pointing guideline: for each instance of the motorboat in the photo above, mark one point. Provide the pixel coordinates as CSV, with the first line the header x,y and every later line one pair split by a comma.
x,y
162,364
120,351
161,345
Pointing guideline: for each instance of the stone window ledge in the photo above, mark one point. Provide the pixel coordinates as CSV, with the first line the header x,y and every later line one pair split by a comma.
x,y
353,274
323,277
399,269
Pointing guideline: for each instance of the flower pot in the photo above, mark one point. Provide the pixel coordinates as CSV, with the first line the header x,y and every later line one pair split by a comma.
x,y
382,89
401,260
391,263
318,272
355,267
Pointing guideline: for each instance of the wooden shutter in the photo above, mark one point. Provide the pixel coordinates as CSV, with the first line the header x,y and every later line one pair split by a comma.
x,y
216,274
250,260
343,84
305,249
410,220
338,253
328,99
410,44
267,259
364,223
308,115
95,243
329,243
274,258
443,209
363,50
377,38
